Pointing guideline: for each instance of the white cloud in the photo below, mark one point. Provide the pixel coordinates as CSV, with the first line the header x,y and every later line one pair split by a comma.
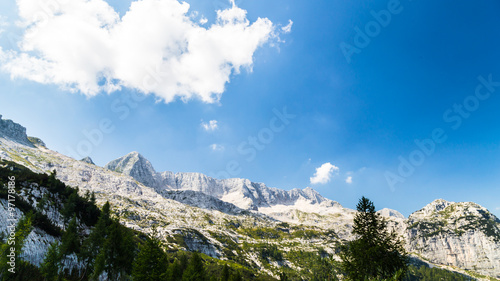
x,y
288,27
3,24
156,47
348,180
210,126
217,147
324,173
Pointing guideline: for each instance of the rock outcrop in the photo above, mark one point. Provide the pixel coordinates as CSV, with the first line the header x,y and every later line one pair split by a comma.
x,y
88,160
14,132
464,235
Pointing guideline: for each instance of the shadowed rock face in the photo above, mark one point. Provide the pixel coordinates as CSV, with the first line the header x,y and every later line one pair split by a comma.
x,y
88,160
14,132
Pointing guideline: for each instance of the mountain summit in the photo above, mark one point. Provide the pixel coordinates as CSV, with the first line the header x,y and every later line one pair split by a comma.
x,y
241,192
136,166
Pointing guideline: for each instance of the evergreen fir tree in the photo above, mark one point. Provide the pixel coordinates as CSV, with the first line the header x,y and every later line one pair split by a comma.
x,y
93,244
183,262
69,208
151,263
376,253
51,264
23,229
117,253
225,273
194,271
174,272
236,277
71,239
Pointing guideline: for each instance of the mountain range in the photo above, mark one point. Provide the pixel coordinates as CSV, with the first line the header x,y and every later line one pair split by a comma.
x,y
229,218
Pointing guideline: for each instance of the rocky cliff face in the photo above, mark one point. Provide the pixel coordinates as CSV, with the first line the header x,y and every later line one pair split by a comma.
x,y
241,192
464,235
14,132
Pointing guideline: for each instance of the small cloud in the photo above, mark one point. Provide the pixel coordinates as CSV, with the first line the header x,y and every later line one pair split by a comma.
x,y
324,173
210,126
288,28
348,180
203,20
217,147
3,24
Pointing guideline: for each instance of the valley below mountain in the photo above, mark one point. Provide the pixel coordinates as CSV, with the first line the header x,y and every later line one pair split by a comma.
x,y
264,228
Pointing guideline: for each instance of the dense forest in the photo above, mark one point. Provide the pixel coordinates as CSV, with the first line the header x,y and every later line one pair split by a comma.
x,y
94,245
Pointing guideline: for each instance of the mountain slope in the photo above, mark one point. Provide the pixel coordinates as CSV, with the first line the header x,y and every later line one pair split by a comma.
x,y
464,235
239,220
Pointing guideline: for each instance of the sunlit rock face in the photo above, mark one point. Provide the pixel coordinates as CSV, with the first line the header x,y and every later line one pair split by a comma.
x,y
464,235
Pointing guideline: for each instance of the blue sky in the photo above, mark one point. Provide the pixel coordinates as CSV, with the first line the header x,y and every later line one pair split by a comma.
x,y
357,116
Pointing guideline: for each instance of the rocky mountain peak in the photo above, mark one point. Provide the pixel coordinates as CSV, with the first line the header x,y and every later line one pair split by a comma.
x,y
386,212
136,166
311,192
88,160
14,131
433,208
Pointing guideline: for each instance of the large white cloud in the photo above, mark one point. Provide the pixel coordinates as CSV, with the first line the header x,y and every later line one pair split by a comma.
x,y
324,173
156,47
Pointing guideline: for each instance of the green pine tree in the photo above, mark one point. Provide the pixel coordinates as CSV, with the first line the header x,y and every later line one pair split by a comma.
x,y
174,272
116,254
69,207
51,264
183,262
151,263
236,277
194,271
94,243
225,273
23,229
71,238
375,253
